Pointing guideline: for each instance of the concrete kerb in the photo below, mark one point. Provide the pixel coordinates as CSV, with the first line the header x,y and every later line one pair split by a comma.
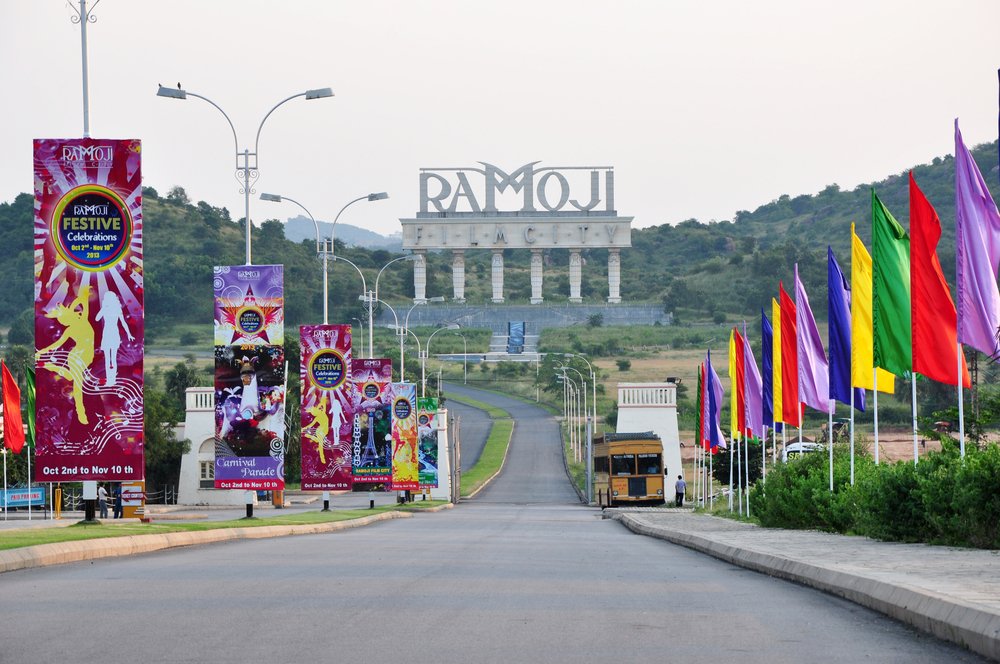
x,y
66,552
947,618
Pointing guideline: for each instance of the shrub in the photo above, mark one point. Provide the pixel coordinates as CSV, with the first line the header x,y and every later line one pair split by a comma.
x,y
624,365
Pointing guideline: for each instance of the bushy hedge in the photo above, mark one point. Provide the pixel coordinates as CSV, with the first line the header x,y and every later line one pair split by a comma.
x,y
943,499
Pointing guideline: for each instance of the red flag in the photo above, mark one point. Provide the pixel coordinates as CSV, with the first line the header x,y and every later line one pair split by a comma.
x,y
13,427
934,321
791,412
740,387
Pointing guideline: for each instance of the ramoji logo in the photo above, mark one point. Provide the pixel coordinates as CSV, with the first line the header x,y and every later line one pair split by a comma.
x,y
250,320
423,419
370,390
91,227
327,369
402,408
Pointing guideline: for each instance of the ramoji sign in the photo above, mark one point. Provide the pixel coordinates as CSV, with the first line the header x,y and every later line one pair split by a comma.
x,y
532,207
474,207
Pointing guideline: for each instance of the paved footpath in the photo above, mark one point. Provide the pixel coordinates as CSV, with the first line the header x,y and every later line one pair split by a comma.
x,y
950,592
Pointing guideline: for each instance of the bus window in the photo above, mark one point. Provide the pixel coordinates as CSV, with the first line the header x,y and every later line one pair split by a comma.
x,y
649,464
623,464
600,464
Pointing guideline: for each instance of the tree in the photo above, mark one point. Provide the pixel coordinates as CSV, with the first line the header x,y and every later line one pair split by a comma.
x,y
163,451
177,380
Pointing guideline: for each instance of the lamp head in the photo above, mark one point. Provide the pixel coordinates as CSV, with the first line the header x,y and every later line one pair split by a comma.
x,y
172,93
319,93
274,198
436,298
380,196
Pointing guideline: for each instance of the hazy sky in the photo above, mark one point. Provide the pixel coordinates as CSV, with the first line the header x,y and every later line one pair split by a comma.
x,y
703,107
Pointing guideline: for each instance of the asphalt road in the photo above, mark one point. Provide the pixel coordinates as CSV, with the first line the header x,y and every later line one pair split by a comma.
x,y
522,573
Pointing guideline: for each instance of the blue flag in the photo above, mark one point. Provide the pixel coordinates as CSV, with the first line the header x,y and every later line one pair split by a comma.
x,y
839,302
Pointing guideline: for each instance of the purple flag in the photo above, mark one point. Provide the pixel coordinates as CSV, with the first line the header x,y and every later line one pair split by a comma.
x,y
716,437
814,370
753,388
839,308
977,253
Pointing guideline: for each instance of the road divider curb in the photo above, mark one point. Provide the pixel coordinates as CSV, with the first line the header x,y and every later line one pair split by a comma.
x,y
59,553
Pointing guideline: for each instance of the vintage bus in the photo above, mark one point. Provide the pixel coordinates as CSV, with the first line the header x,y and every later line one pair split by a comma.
x,y
628,469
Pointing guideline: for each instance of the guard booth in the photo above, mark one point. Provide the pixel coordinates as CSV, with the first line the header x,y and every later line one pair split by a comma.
x,y
515,337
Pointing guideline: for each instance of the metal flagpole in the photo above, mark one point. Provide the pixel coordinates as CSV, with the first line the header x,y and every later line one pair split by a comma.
x,y
763,456
746,464
852,433
4,483
961,405
28,454
711,479
913,402
875,410
784,444
731,442
829,437
739,471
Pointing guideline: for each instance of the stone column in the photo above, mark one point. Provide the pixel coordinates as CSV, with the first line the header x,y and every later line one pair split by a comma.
x,y
497,275
458,274
575,274
419,277
614,276
536,276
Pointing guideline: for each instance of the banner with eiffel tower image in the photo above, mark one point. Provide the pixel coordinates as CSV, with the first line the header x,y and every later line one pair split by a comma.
x,y
404,437
371,435
249,377
88,310
427,442
325,372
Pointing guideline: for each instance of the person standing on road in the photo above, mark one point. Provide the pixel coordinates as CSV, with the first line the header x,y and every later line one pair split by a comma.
x,y
102,500
679,488
118,501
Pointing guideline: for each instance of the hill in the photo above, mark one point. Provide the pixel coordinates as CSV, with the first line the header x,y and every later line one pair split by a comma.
x,y
695,269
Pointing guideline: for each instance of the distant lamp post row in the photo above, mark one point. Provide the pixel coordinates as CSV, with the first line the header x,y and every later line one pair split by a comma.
x,y
246,161
325,250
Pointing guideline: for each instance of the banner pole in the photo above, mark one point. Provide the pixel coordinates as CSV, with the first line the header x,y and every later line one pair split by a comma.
x,y
913,404
731,442
875,410
961,405
852,434
829,438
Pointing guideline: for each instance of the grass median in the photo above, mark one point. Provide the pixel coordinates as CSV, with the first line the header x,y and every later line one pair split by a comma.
x,y
15,539
495,450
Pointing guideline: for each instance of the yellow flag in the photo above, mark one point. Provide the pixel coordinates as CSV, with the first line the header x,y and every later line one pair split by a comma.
x,y
862,355
776,357
733,397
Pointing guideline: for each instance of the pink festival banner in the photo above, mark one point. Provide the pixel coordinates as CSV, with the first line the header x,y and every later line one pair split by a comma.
x,y
404,437
325,375
88,309
371,408
249,377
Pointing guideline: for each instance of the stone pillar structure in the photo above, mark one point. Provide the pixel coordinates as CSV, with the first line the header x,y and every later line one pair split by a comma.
x,y
419,277
458,274
536,276
497,274
575,274
614,276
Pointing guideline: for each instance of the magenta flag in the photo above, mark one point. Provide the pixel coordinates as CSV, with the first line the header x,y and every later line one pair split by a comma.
x,y
977,252
327,424
814,370
753,388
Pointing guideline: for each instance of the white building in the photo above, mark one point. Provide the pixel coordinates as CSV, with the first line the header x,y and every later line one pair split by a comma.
x,y
652,407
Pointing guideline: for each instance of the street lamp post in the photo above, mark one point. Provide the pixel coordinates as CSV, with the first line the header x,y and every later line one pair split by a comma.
x,y
426,352
247,170
586,412
321,247
360,325
372,297
590,436
465,359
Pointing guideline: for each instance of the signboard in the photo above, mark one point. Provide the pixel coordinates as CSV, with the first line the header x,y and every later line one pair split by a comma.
x,y
427,442
133,500
21,497
404,437
88,309
249,377
325,373
371,433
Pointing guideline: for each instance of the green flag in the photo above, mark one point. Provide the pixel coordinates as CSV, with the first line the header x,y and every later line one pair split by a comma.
x,y
30,389
890,291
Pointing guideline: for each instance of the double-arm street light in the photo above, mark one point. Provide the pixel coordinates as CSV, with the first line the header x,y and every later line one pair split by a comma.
x,y
426,352
590,434
321,245
586,412
246,161
371,297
